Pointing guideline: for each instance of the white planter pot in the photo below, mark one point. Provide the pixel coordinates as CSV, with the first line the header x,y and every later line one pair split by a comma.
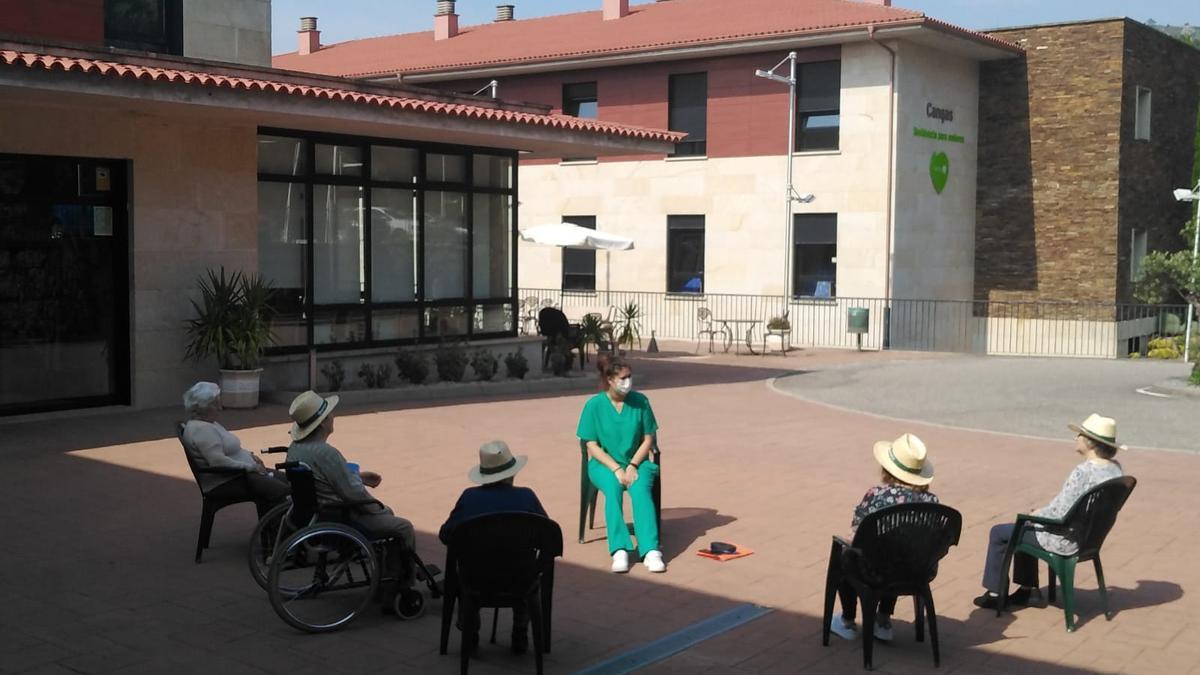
x,y
780,340
239,388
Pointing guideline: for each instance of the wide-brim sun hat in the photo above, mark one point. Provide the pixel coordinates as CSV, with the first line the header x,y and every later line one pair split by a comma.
x,y
307,411
1100,429
905,459
496,463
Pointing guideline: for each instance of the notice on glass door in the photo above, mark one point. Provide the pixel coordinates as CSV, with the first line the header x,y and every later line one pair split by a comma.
x,y
102,225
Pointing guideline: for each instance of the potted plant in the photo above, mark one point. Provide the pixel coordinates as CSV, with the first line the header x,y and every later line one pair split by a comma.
x,y
232,323
778,329
629,327
595,331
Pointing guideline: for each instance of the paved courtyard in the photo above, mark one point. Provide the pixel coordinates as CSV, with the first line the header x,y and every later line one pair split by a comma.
x,y
101,518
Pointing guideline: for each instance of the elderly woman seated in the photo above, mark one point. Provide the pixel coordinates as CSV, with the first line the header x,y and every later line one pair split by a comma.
x,y
212,446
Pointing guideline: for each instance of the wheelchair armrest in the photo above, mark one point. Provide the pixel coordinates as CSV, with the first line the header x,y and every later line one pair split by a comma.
x,y
275,449
219,470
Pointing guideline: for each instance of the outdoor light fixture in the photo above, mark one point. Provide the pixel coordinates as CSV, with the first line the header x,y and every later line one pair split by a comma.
x,y
1186,195
493,88
790,194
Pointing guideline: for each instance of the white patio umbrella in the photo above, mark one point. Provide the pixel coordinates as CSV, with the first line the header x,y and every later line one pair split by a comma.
x,y
566,235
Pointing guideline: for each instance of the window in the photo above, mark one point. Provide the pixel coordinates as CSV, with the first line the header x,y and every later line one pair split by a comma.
x,y
1137,251
1141,122
375,242
579,265
145,25
687,110
818,105
685,254
579,100
814,266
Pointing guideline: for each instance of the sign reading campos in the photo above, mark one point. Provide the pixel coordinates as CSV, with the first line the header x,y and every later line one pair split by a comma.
x,y
942,114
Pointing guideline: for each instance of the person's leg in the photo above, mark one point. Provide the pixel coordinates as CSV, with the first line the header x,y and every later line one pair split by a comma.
x,y
267,491
645,516
1025,567
883,617
993,566
520,630
614,512
842,625
382,523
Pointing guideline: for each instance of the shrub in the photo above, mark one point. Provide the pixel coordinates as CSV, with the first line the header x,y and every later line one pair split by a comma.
x,y
412,366
450,359
779,323
1164,348
484,363
335,374
375,377
516,365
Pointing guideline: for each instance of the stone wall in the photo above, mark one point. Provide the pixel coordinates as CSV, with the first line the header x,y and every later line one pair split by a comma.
x,y
238,31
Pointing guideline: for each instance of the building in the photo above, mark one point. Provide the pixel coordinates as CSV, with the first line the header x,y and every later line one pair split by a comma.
x,y
130,164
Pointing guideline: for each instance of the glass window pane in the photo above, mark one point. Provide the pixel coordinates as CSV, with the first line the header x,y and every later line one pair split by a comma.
x,y
493,319
393,164
493,171
445,321
343,326
492,257
685,254
395,324
338,244
278,155
338,160
445,245
393,245
281,239
445,168
819,86
688,111
815,267
579,265
818,132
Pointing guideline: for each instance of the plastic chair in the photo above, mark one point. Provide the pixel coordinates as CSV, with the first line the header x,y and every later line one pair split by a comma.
x,y
502,560
209,504
1088,522
895,552
552,325
704,322
588,492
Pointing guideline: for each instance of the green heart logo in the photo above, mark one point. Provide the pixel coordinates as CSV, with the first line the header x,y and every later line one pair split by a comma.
x,y
939,171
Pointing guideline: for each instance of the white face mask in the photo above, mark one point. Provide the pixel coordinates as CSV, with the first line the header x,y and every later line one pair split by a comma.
x,y
624,386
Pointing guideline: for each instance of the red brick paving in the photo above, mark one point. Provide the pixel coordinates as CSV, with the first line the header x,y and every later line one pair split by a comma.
x,y
101,518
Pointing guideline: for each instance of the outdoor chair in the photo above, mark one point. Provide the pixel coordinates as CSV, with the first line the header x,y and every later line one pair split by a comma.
x,y
529,309
1088,522
502,560
552,326
588,492
704,323
895,551
209,504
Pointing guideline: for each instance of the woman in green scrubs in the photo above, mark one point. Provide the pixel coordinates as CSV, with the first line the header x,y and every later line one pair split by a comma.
x,y
618,426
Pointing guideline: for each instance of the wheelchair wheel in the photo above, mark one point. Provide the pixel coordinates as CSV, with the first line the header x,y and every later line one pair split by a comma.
x,y
268,534
322,577
408,604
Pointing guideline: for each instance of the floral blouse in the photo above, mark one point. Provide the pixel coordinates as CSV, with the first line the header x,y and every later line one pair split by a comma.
x,y
883,496
1086,476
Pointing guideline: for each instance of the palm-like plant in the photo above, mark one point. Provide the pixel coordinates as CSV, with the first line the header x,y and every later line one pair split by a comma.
x,y
233,320
629,326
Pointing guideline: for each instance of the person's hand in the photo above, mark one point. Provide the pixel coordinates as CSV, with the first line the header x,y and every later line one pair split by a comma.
x,y
257,460
631,475
370,478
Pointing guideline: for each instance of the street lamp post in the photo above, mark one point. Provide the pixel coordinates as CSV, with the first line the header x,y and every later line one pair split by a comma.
x,y
1186,195
790,194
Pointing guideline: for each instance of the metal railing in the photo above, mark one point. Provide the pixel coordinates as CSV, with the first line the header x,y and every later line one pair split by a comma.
x,y
1094,330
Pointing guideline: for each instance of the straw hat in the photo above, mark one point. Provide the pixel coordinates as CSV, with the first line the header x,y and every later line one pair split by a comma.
x,y
307,411
905,459
1100,429
496,462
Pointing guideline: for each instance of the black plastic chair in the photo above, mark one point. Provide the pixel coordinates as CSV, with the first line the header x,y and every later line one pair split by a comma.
x,y
1088,522
209,504
588,492
502,560
895,552
553,326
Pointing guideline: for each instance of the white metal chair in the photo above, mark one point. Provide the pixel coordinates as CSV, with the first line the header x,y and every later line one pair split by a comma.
x,y
704,321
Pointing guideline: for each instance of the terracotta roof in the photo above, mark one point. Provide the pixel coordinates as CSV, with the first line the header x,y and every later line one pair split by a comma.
x,y
266,80
649,27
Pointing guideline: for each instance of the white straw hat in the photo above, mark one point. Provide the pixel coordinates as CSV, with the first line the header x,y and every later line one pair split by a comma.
x,y
496,462
307,411
1099,428
905,458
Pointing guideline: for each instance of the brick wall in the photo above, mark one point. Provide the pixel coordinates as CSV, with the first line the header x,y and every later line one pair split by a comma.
x,y
75,21
1061,180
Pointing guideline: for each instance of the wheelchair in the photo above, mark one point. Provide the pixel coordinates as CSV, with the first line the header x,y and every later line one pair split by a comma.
x,y
319,571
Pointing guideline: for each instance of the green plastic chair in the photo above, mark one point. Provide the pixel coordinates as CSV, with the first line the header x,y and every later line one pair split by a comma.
x,y
588,492
1088,522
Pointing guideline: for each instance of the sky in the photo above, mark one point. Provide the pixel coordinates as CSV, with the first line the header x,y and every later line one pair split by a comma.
x,y
342,20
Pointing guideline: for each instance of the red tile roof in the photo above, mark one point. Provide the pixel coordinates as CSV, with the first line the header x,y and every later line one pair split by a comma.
x,y
649,27
266,80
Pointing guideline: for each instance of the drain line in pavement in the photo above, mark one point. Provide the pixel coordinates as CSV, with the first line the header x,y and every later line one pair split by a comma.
x,y
678,641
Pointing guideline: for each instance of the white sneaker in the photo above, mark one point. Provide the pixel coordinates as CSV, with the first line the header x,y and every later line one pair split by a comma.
x,y
654,562
884,633
842,628
620,563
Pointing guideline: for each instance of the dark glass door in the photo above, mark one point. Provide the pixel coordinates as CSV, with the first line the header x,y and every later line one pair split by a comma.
x,y
64,315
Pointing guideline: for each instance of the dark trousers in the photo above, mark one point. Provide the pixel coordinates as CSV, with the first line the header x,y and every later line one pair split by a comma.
x,y
887,602
470,624
1025,567
265,490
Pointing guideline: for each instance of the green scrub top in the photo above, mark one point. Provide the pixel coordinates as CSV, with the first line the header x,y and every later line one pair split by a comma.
x,y
619,434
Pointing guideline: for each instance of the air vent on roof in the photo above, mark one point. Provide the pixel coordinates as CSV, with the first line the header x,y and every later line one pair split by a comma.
x,y
445,22
310,37
615,9
504,12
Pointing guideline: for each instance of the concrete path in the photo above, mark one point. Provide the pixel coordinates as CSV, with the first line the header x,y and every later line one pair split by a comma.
x,y
101,516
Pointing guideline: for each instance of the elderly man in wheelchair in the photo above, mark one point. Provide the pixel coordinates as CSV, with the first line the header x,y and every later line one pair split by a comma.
x,y
323,556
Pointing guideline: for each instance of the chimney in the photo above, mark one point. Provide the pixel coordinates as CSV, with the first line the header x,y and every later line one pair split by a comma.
x,y
310,37
504,12
615,9
445,22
